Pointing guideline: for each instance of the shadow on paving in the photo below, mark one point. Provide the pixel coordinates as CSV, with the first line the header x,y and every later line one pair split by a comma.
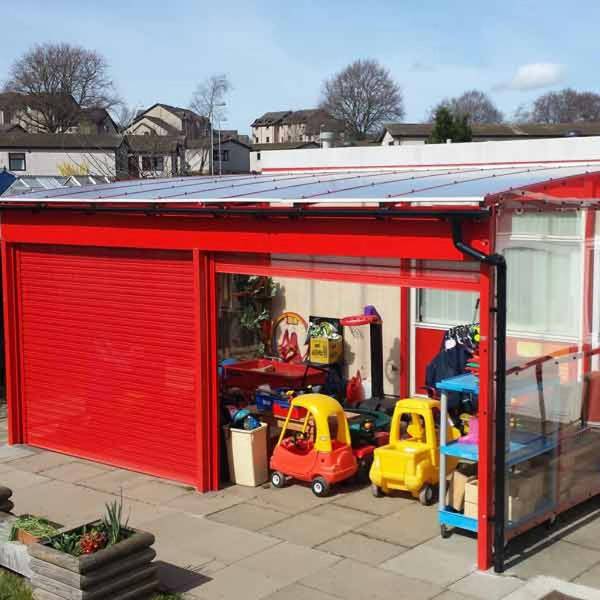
x,y
533,541
178,580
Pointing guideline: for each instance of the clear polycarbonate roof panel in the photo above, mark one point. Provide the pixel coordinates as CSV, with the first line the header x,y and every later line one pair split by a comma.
x,y
469,184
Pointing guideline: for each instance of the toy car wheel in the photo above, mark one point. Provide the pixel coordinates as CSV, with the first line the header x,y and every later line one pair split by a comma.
x,y
445,531
426,495
320,487
277,479
376,491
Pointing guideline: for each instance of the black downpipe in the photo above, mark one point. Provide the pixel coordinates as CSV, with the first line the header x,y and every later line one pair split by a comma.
x,y
498,261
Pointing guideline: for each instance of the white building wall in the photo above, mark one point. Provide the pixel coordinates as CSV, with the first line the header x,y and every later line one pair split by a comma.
x,y
560,150
57,162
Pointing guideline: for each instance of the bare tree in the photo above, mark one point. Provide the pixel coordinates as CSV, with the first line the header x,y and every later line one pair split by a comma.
x,y
209,101
53,82
476,105
124,115
363,96
566,106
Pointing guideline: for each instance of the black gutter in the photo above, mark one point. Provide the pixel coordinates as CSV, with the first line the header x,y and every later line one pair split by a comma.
x,y
499,262
297,211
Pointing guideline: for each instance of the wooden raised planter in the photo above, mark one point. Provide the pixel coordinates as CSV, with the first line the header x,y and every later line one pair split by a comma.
x,y
121,572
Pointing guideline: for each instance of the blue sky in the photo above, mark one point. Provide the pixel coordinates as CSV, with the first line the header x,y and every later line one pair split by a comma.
x,y
278,53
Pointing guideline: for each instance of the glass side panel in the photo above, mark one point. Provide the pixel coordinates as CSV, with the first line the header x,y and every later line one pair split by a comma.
x,y
553,370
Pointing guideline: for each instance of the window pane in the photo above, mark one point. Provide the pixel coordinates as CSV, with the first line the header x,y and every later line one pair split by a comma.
x,y
446,307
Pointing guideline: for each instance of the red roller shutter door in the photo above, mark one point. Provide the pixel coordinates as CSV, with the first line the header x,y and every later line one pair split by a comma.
x,y
108,356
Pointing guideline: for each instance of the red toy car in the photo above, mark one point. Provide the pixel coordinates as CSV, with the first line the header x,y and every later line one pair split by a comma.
x,y
321,453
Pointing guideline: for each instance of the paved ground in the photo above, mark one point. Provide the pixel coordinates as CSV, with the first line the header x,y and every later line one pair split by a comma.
x,y
289,545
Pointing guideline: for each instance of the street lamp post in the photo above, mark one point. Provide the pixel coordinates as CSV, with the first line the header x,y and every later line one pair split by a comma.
x,y
212,145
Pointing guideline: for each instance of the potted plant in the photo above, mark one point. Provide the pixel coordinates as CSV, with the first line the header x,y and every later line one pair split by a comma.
x,y
29,529
105,558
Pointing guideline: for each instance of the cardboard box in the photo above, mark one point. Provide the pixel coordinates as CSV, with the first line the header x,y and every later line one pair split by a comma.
x,y
470,510
518,508
458,480
325,351
472,492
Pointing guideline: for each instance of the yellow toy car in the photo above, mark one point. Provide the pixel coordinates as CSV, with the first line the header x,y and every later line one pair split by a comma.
x,y
411,460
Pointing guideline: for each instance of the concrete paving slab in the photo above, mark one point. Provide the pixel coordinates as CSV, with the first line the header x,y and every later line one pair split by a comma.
x,y
448,595
204,504
73,472
62,502
17,481
560,559
541,586
459,543
236,582
411,526
41,461
428,564
185,539
306,530
486,586
363,499
10,453
341,514
299,592
113,482
293,499
591,578
362,549
155,492
355,581
249,516
586,535
287,563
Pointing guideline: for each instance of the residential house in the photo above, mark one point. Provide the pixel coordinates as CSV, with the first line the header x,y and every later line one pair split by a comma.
x,y
63,154
155,155
399,134
15,111
166,120
229,156
291,126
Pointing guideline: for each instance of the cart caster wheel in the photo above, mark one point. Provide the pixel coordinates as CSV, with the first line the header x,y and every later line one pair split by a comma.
x,y
445,531
426,495
552,522
277,479
376,491
320,487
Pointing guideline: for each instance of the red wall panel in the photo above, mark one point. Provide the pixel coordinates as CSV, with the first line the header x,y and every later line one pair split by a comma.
x,y
107,343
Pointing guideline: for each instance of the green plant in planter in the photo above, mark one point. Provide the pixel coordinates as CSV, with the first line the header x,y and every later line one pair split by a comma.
x,y
255,294
69,543
113,524
36,526
109,531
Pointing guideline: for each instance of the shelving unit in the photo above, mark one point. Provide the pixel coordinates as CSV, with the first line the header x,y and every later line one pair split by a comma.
x,y
464,384
521,446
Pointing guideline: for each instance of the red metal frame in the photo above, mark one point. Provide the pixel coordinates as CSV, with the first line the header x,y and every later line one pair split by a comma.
x,y
419,238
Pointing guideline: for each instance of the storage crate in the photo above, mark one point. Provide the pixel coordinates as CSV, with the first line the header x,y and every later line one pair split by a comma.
x,y
325,351
265,400
281,407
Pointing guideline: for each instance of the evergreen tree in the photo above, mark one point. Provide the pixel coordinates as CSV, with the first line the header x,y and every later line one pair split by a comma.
x,y
447,127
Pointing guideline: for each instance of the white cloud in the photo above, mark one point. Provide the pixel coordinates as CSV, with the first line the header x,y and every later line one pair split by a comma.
x,y
534,76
